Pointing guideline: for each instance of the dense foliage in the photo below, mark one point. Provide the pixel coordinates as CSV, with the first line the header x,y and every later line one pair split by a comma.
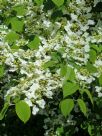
x,y
51,67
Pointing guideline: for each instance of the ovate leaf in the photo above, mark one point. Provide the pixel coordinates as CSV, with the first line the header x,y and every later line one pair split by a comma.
x,y
70,75
23,111
69,89
16,24
82,106
58,2
35,43
11,37
66,106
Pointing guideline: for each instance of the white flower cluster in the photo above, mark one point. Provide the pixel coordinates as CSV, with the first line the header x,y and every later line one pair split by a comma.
x,y
34,82
99,91
72,38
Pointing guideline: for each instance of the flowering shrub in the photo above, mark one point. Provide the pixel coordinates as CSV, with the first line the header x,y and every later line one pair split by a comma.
x,y
51,63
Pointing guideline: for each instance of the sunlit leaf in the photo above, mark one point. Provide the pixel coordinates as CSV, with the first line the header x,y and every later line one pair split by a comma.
x,y
66,106
23,111
11,37
16,24
82,106
93,56
63,70
35,43
70,75
69,89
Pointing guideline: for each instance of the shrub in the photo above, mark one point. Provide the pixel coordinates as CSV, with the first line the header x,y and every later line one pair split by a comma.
x,y
51,66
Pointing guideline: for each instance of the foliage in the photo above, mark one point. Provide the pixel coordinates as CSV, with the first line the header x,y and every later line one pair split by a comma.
x,y
51,66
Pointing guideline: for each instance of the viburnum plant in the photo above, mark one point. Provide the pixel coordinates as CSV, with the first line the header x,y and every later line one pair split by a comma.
x,y
51,62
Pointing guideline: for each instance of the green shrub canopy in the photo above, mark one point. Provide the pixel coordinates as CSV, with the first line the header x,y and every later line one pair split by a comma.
x,y
51,52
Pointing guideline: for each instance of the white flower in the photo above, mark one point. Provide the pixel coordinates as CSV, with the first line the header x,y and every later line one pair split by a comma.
x,y
64,55
78,1
28,101
68,26
84,28
98,89
99,94
48,93
35,110
57,46
10,59
74,17
38,63
23,62
89,80
38,54
91,22
87,48
98,63
46,23
41,103
34,87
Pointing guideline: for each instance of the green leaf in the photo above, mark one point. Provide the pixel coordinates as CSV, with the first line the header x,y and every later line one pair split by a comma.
x,y
100,80
95,47
49,64
39,2
70,75
16,24
90,130
1,71
11,37
17,99
89,95
91,68
20,9
55,56
60,130
69,89
23,111
35,43
93,55
66,106
15,47
82,106
58,2
100,48
63,70
4,110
